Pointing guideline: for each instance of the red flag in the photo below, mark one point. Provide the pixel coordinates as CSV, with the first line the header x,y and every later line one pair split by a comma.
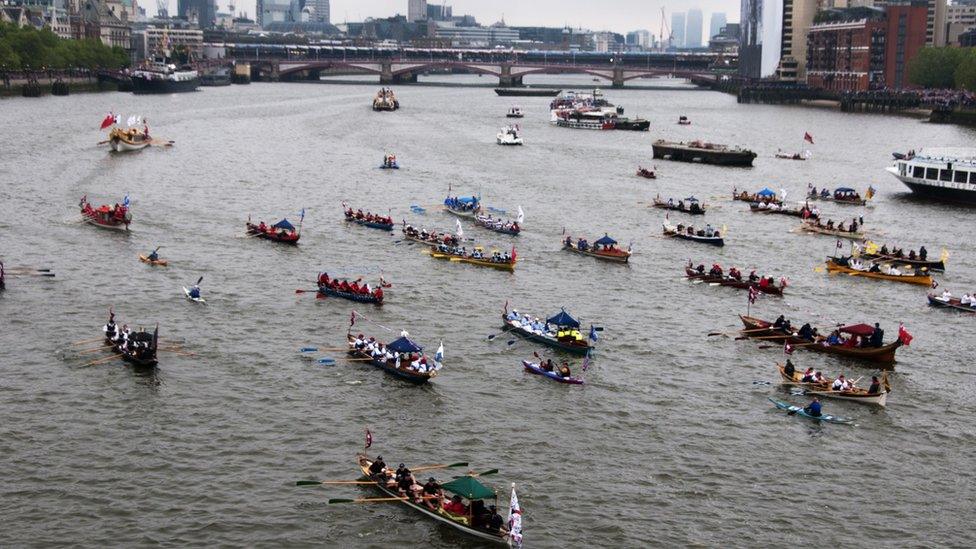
x,y
369,439
787,348
753,294
107,121
513,254
808,138
903,335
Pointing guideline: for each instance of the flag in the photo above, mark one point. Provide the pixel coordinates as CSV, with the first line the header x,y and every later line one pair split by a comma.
x,y
107,121
514,520
839,244
302,217
855,250
945,255
593,335
513,254
586,361
460,231
808,138
782,194
787,348
352,319
132,120
934,284
369,439
125,201
903,335
521,216
870,248
870,192
753,294
439,356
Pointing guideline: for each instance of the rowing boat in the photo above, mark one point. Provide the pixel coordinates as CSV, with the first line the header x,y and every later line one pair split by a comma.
x,y
384,224
497,225
922,280
160,262
486,262
746,197
952,303
611,254
918,263
463,206
797,410
571,340
813,227
681,232
694,209
351,296
390,367
105,217
734,283
461,523
534,368
286,233
804,212
824,390
885,354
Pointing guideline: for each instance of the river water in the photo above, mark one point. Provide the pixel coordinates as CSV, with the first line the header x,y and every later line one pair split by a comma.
x,y
671,442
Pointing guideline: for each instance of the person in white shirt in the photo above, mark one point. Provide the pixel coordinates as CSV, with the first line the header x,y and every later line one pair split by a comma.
x,y
840,384
966,300
946,295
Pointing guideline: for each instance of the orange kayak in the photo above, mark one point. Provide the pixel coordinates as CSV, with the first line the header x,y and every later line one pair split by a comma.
x,y
160,262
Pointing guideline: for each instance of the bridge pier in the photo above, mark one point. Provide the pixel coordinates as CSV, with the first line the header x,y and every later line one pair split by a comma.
x,y
618,77
506,80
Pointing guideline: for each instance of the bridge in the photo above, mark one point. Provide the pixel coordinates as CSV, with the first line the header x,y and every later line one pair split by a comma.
x,y
402,65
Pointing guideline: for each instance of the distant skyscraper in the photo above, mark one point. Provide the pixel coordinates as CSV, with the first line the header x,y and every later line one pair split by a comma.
x,y
320,11
678,29
693,30
204,11
416,10
718,21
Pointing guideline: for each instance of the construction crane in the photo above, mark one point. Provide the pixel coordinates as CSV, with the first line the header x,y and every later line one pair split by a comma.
x,y
665,27
162,8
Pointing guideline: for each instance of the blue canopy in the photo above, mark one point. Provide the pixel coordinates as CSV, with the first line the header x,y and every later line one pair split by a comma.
x,y
766,191
462,199
563,319
606,241
284,224
404,345
844,190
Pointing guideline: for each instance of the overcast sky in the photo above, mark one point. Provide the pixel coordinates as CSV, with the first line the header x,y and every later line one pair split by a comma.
x,y
616,15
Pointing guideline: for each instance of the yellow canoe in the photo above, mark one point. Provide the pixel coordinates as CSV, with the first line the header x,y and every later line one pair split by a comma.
x,y
160,262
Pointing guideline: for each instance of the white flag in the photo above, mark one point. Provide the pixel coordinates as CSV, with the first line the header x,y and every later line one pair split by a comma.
x,y
521,216
439,356
460,231
782,195
132,121
514,520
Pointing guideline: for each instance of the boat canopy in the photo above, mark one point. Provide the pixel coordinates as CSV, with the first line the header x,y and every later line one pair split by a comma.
x,y
462,199
404,345
606,241
844,190
469,488
563,319
691,199
862,330
284,224
766,191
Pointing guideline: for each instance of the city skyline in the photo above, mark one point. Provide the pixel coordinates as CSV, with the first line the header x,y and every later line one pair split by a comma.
x,y
619,16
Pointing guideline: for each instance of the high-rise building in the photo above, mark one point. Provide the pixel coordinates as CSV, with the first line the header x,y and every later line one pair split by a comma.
x,y
905,36
416,10
936,13
761,38
798,16
639,38
716,23
439,12
847,52
320,10
678,29
204,11
693,28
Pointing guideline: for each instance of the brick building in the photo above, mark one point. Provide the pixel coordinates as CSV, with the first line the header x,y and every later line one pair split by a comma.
x,y
847,53
905,35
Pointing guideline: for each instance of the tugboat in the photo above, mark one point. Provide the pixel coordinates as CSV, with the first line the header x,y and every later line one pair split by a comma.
x,y
705,153
161,75
945,174
509,136
515,112
683,121
385,100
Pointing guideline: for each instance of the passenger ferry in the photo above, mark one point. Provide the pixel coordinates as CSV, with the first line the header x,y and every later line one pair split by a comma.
x,y
947,174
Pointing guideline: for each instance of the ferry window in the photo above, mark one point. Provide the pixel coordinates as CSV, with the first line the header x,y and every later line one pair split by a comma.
x,y
960,176
945,175
931,173
918,172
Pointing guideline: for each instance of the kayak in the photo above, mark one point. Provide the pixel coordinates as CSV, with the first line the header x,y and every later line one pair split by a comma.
x,y
801,412
160,262
534,368
186,292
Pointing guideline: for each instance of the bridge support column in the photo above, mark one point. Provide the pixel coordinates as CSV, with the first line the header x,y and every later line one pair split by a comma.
x,y
405,78
506,80
314,75
618,77
386,72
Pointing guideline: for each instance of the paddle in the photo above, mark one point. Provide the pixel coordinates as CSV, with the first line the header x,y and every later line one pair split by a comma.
x,y
493,336
329,361
84,341
374,500
318,482
101,360
481,474
175,352
429,467
316,349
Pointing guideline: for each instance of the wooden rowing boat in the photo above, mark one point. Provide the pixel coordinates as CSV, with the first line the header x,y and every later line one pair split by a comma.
x,y
693,209
746,197
755,327
382,225
919,263
268,233
502,265
351,296
803,213
733,283
681,232
569,344
615,255
952,303
922,280
105,217
812,227
461,523
497,225
404,373
534,368
798,410
824,390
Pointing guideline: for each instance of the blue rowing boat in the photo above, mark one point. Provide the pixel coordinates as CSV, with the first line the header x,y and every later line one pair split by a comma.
x,y
534,368
801,412
361,298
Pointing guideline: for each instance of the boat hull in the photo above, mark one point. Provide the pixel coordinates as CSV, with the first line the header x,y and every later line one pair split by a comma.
x,y
510,266
580,349
813,229
533,368
254,230
371,224
526,92
732,283
160,262
360,298
415,378
823,390
680,153
711,240
884,355
665,206
143,86
907,279
798,410
953,303
622,257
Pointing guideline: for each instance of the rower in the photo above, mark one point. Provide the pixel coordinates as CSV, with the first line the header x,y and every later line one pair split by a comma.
x,y
564,370
840,384
806,332
378,467
195,292
456,507
495,523
946,295
153,256
877,336
432,492
808,376
753,276
789,369
875,388
547,365
922,253
814,408
779,321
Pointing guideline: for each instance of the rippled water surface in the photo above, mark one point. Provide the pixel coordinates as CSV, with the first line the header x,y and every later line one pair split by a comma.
x,y
670,443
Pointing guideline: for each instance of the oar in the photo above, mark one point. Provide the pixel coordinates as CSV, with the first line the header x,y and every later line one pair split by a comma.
x,y
175,352
316,349
481,474
84,341
493,336
738,332
199,280
366,500
101,360
318,482
301,291
328,361
89,351
429,467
